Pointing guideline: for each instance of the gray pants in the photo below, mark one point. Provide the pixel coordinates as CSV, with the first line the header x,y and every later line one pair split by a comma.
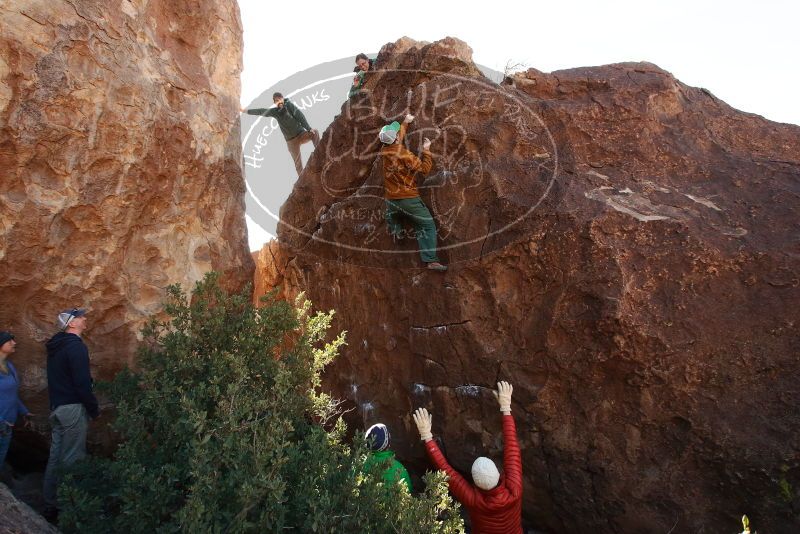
x,y
68,445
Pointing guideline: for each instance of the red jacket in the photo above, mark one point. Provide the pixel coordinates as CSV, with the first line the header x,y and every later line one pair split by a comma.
x,y
496,511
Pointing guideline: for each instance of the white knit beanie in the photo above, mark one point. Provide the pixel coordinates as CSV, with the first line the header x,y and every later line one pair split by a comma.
x,y
485,473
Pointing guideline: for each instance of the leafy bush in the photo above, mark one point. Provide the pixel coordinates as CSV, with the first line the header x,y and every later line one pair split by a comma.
x,y
223,429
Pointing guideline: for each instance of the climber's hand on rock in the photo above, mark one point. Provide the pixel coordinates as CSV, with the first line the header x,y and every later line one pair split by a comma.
x,y
503,396
426,144
424,421
409,119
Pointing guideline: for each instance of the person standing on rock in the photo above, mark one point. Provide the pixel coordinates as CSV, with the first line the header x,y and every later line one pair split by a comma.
x,y
494,503
400,166
363,65
293,124
11,407
377,437
72,402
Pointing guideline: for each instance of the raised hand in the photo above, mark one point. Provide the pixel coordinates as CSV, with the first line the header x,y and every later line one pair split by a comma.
x,y
424,421
409,119
426,144
503,396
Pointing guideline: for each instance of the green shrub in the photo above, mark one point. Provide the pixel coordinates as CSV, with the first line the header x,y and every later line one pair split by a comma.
x,y
223,429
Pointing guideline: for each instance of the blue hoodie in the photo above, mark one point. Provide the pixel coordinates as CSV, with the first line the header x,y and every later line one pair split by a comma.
x,y
68,377
10,405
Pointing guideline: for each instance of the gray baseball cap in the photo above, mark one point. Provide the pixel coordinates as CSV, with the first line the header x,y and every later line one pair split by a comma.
x,y
66,317
388,133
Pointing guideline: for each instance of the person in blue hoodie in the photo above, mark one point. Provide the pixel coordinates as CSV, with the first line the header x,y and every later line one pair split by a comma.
x,y
11,406
72,402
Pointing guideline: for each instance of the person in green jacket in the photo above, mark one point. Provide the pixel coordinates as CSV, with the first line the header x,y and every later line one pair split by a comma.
x,y
293,124
377,437
363,65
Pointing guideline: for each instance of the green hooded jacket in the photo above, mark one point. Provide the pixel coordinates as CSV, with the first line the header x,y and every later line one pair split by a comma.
x,y
362,78
394,470
290,119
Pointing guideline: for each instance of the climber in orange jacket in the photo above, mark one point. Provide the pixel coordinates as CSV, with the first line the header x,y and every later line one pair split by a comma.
x,y
400,167
494,503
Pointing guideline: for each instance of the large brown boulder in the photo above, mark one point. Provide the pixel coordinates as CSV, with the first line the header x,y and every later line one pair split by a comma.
x,y
622,248
120,167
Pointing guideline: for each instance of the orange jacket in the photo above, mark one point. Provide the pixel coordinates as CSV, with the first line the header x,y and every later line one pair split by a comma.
x,y
399,167
498,510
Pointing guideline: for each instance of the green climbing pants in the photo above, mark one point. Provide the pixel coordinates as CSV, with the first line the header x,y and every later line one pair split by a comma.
x,y
421,219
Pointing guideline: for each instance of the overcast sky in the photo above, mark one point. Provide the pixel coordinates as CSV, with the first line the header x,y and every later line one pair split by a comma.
x,y
745,53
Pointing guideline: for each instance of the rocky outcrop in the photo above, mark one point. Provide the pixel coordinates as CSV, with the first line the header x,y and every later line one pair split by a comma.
x,y
120,166
19,518
622,247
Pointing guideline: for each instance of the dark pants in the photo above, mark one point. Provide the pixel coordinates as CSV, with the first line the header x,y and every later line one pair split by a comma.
x,y
421,219
67,445
5,440
294,143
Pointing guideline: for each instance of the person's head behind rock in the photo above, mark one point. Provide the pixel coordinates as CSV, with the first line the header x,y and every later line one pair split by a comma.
x,y
362,62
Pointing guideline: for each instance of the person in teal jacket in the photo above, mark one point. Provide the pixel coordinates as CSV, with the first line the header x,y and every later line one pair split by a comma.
x,y
363,65
377,437
293,125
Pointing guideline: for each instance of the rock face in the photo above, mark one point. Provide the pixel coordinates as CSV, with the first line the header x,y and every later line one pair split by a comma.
x,y
19,518
120,166
622,248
